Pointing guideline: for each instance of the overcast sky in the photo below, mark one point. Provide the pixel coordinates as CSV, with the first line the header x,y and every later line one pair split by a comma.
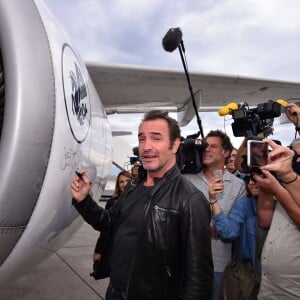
x,y
249,37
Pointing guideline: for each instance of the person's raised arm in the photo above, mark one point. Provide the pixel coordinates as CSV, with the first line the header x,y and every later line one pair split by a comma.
x,y
214,188
280,163
269,184
228,227
293,113
91,212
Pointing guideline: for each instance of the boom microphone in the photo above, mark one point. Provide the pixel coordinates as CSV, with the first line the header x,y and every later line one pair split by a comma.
x,y
227,109
172,39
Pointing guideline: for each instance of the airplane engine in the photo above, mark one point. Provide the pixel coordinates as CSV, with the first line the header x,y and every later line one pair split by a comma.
x,y
51,123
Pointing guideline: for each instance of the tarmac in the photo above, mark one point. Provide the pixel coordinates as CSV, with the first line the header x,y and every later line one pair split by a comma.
x,y
64,275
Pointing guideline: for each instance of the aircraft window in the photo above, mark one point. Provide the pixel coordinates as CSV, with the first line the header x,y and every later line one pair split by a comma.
x,y
2,94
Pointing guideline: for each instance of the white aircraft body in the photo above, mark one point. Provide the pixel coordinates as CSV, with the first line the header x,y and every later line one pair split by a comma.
x,y
52,122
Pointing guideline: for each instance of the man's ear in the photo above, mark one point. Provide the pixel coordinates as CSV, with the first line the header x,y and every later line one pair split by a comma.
x,y
225,153
176,145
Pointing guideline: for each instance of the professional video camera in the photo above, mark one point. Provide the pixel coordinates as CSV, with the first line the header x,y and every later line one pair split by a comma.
x,y
256,121
189,156
134,159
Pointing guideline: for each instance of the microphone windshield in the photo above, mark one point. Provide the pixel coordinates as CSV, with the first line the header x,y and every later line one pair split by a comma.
x,y
172,39
226,110
282,102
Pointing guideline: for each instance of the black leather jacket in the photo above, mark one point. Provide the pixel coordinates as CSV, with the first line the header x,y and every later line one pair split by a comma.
x,y
173,257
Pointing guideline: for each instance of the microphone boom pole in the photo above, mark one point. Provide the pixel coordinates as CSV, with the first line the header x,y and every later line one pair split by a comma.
x,y
199,122
170,42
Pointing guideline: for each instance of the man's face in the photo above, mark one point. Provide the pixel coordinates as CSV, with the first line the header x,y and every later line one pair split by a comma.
x,y
214,156
155,149
230,165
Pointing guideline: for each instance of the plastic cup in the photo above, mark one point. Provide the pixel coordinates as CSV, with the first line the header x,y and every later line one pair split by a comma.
x,y
218,174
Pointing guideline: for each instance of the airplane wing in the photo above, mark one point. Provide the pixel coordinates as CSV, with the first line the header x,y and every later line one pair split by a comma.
x,y
128,89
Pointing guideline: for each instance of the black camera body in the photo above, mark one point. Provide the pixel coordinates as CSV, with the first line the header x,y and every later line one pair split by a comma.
x,y
189,155
134,159
255,121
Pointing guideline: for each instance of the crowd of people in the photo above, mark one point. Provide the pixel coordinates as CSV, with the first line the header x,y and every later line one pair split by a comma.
x,y
171,235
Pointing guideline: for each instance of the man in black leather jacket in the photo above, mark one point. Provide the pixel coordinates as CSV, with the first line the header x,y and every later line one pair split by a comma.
x,y
160,227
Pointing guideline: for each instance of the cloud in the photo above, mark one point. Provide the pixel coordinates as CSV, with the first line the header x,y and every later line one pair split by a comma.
x,y
251,37
256,38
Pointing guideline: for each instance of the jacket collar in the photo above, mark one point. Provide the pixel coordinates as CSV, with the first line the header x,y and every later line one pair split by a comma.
x,y
159,182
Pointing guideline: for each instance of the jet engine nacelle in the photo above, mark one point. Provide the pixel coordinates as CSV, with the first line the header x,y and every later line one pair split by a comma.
x,y
51,123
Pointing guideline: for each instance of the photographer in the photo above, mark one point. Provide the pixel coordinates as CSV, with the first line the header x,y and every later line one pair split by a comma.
x,y
214,157
280,256
135,162
135,169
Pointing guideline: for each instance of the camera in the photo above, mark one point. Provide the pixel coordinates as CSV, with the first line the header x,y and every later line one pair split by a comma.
x,y
134,159
250,122
189,155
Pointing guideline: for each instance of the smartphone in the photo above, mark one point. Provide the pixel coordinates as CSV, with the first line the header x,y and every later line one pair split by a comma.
x,y
257,153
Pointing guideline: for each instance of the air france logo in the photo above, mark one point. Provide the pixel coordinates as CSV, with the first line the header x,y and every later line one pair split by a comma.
x,y
76,95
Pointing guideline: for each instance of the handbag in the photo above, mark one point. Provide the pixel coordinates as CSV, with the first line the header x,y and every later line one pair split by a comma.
x,y
101,267
239,282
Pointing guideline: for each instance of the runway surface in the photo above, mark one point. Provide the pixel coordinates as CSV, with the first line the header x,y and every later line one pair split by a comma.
x,y
64,275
